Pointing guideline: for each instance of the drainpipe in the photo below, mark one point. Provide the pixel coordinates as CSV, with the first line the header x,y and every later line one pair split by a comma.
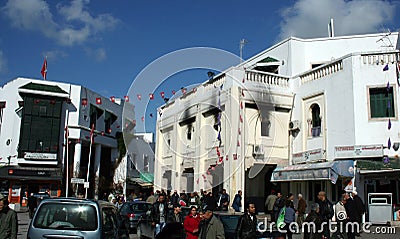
x,y
290,139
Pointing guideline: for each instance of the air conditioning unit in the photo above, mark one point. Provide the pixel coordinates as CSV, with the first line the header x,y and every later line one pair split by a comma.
x,y
258,149
294,125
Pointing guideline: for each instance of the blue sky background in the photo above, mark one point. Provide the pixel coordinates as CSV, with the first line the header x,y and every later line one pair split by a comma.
x,y
104,45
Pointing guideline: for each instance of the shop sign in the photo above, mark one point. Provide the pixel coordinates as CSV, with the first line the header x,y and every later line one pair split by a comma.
x,y
40,156
309,156
359,151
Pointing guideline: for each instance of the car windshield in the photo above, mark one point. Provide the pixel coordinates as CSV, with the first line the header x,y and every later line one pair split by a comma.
x,y
66,216
134,208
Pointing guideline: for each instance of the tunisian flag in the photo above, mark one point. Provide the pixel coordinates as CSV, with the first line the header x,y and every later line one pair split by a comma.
x,y
44,69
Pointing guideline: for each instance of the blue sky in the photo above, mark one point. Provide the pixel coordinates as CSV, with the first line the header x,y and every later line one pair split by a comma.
x,y
104,45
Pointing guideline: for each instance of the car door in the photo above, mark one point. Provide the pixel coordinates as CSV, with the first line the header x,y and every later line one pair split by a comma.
x,y
109,224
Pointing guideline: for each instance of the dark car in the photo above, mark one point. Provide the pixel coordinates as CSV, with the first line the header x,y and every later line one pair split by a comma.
x,y
40,196
131,212
76,218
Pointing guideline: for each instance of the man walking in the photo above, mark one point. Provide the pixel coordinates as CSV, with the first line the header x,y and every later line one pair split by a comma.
x,y
325,211
159,213
223,201
210,227
301,210
8,220
247,224
269,204
32,204
360,209
237,201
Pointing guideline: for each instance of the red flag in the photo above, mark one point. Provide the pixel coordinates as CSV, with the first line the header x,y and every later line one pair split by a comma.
x,y
139,97
162,94
98,101
173,92
183,90
151,96
126,98
234,156
92,135
241,105
84,101
112,98
44,69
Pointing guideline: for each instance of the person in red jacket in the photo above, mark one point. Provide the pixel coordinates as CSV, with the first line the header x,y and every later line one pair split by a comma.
x,y
191,224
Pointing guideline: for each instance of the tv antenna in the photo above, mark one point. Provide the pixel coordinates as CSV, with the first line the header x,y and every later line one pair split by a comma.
x,y
386,40
242,43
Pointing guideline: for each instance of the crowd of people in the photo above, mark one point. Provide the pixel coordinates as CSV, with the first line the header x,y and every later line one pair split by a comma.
x,y
349,208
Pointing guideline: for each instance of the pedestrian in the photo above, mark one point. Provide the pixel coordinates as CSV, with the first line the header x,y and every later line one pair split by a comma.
x,y
32,204
313,218
223,201
341,219
8,220
351,217
269,205
175,215
278,205
301,209
174,197
194,199
237,201
325,212
360,208
211,201
289,218
191,224
151,199
211,227
247,224
159,212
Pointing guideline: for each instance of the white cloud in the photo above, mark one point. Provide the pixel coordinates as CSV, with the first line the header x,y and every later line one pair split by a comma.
x,y
3,62
75,26
97,54
310,18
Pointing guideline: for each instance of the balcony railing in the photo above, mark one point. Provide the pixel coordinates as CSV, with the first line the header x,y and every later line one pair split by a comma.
x,y
321,71
380,58
266,78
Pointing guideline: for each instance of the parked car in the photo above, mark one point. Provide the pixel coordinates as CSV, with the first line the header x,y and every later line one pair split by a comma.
x,y
40,196
76,218
131,212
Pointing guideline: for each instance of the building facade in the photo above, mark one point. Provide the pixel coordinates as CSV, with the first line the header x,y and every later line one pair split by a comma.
x,y
302,116
50,130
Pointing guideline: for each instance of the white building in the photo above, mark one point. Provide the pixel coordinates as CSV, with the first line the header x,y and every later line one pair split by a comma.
x,y
309,106
37,146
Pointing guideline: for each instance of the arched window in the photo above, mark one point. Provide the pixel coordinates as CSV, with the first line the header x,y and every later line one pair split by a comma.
x,y
316,120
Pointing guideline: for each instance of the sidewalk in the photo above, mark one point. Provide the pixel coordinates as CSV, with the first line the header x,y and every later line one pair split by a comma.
x,y
23,222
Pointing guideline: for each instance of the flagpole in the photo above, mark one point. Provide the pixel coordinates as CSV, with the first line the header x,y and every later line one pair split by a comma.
x,y
90,155
67,148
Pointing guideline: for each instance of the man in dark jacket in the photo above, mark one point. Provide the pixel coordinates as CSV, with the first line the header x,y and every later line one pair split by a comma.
x,y
352,216
313,218
210,227
360,208
159,212
237,201
32,204
247,224
223,201
175,215
8,220
279,204
325,212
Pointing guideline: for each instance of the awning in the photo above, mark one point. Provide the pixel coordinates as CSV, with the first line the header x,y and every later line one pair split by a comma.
x,y
141,182
378,167
43,89
316,171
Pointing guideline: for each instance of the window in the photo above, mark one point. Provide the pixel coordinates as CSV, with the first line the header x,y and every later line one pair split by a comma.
x,y
265,126
40,125
132,161
189,132
315,120
381,102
